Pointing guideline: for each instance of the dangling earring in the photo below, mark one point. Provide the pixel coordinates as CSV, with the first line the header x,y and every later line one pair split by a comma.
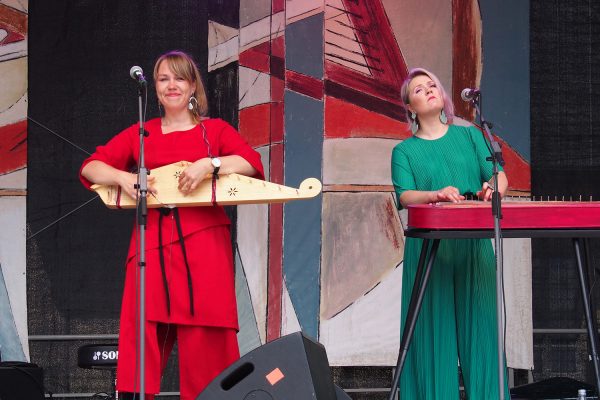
x,y
193,103
443,118
414,126
160,109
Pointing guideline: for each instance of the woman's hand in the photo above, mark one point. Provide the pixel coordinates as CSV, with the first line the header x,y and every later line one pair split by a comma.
x,y
449,193
191,177
486,192
487,188
128,182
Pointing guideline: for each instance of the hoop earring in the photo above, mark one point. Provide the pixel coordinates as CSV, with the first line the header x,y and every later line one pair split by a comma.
x,y
193,103
443,117
414,126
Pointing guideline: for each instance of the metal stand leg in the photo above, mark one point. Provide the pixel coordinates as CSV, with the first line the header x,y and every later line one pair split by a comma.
x,y
587,307
416,300
113,376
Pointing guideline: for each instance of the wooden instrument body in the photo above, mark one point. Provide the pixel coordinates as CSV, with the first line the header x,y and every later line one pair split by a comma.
x,y
230,189
516,215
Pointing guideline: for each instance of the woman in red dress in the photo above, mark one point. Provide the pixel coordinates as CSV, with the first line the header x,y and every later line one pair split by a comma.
x,y
189,262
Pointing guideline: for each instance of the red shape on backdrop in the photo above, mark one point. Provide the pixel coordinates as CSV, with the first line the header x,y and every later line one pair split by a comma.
x,y
277,89
11,37
466,53
275,271
383,57
13,147
277,6
256,60
254,124
370,21
278,47
264,48
257,57
14,22
304,84
516,168
344,119
277,122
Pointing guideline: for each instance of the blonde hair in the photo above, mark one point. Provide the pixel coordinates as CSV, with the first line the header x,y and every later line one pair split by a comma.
x,y
413,73
182,65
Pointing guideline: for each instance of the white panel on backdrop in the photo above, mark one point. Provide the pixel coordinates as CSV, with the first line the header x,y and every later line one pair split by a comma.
x,y
289,322
15,113
254,87
252,239
296,10
14,180
359,335
518,300
15,50
21,5
222,45
423,30
14,80
374,166
13,262
261,31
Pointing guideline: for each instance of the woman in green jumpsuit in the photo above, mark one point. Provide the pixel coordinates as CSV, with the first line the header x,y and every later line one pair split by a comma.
x,y
457,322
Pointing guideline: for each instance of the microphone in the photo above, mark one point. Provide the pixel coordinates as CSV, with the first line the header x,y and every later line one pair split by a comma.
x,y
137,74
469,94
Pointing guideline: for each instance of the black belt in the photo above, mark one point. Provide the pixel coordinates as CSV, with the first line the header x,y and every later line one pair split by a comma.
x,y
164,212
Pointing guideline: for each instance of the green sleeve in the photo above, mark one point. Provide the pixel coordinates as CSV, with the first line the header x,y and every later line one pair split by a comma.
x,y
402,175
481,148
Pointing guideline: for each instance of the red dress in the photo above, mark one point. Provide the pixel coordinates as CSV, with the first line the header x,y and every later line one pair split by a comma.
x,y
204,229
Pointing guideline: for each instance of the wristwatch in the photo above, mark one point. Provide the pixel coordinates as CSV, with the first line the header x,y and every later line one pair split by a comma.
x,y
216,163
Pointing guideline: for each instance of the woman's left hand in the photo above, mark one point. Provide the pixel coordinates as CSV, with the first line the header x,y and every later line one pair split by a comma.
x,y
195,173
486,191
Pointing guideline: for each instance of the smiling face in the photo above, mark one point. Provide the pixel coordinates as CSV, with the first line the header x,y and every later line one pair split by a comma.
x,y
173,91
424,96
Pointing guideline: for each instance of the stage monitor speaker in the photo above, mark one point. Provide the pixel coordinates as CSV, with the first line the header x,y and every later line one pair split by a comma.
x,y
293,367
552,388
21,381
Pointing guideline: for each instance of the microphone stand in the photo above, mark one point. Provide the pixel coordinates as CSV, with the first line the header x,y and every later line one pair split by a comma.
x,y
142,213
497,159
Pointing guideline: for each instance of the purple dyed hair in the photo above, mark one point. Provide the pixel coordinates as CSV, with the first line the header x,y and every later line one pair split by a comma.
x,y
413,73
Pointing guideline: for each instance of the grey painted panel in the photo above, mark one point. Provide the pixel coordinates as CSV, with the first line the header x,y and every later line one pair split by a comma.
x,y
253,10
302,219
304,46
505,78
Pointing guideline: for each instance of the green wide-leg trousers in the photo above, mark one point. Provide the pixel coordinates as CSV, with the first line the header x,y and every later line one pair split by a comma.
x,y
457,322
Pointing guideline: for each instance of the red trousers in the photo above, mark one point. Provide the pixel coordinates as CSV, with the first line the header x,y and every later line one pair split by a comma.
x,y
204,352
206,341
207,351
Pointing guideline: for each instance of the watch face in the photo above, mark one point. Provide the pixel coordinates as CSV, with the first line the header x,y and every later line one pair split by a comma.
x,y
216,162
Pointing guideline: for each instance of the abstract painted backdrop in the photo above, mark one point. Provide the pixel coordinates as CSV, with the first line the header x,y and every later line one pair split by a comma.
x,y
317,94
324,77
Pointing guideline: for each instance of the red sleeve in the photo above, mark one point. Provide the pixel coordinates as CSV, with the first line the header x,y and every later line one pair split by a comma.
x,y
118,153
232,143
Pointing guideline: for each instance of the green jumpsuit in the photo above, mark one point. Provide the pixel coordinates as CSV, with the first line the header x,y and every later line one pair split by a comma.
x,y
458,316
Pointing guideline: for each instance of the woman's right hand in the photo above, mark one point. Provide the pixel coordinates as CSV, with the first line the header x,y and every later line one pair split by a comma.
x,y
128,182
449,193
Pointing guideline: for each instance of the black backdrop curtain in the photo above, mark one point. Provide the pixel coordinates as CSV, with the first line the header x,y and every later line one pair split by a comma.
x,y
565,152
80,53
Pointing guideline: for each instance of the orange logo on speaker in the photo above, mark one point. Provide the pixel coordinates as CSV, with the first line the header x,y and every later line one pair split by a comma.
x,y
275,376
